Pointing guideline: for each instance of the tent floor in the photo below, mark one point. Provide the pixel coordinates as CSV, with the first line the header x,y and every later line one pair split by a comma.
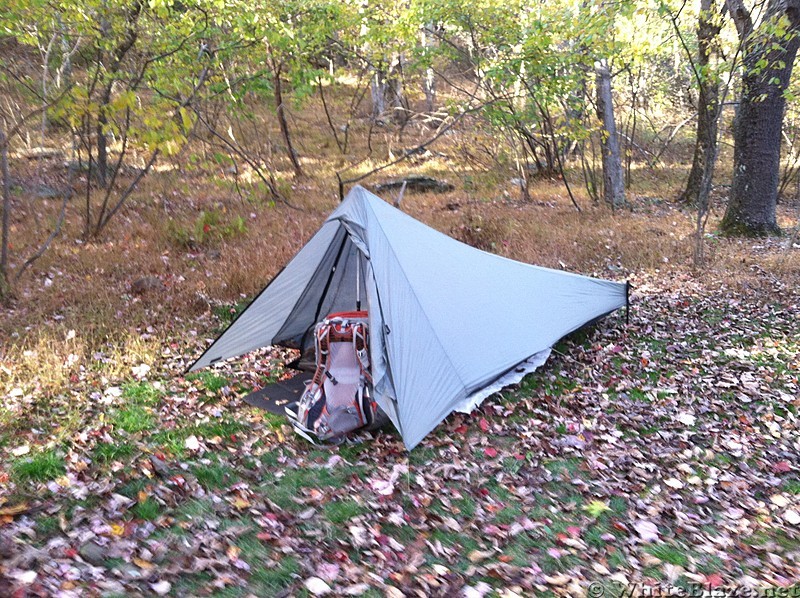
x,y
274,397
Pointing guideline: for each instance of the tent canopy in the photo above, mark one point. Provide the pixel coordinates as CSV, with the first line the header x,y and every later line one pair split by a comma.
x,y
446,320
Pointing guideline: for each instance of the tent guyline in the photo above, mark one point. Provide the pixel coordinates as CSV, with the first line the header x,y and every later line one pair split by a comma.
x,y
421,289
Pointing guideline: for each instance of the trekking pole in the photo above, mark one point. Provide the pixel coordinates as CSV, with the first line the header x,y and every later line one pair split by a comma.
x,y
358,282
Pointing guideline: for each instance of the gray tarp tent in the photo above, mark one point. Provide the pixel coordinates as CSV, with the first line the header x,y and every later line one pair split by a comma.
x,y
449,324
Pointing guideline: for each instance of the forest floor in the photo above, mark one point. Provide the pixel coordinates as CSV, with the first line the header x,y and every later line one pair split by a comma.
x,y
663,450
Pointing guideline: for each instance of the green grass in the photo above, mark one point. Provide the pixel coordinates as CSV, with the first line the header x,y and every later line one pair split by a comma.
x,y
172,441
421,456
617,560
466,507
224,428
147,509
272,580
669,554
134,419
141,393
47,526
105,452
283,490
214,475
792,486
508,515
593,536
342,511
195,509
132,488
405,534
41,467
228,313
210,381
563,467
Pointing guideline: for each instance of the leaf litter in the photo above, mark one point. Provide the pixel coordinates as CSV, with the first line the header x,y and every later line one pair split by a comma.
x,y
665,450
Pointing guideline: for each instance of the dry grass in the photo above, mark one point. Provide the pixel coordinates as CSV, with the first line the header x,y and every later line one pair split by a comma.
x,y
86,286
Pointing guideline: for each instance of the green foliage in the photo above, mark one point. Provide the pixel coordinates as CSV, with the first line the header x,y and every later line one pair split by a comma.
x,y
228,313
210,228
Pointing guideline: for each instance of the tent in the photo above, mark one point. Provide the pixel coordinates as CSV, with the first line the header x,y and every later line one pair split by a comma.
x,y
449,324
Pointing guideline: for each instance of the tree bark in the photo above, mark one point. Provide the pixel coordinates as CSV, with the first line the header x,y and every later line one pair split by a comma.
x,y
284,126
708,28
768,60
613,180
102,140
4,241
378,92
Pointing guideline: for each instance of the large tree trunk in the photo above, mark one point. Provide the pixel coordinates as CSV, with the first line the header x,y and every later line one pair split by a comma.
x,y
378,93
387,92
708,29
768,60
613,180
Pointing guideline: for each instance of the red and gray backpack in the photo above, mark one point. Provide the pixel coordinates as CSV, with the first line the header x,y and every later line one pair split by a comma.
x,y
338,399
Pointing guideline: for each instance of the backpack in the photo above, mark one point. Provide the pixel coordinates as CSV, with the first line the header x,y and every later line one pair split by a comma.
x,y
338,399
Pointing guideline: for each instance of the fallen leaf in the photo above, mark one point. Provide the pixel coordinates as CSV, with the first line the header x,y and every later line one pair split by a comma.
x,y
15,510
596,508
647,530
23,449
476,556
317,586
328,571
557,580
161,588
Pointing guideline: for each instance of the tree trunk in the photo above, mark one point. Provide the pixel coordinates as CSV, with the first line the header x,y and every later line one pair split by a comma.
x,y
613,180
397,91
428,79
280,112
4,241
708,28
768,60
378,93
102,141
